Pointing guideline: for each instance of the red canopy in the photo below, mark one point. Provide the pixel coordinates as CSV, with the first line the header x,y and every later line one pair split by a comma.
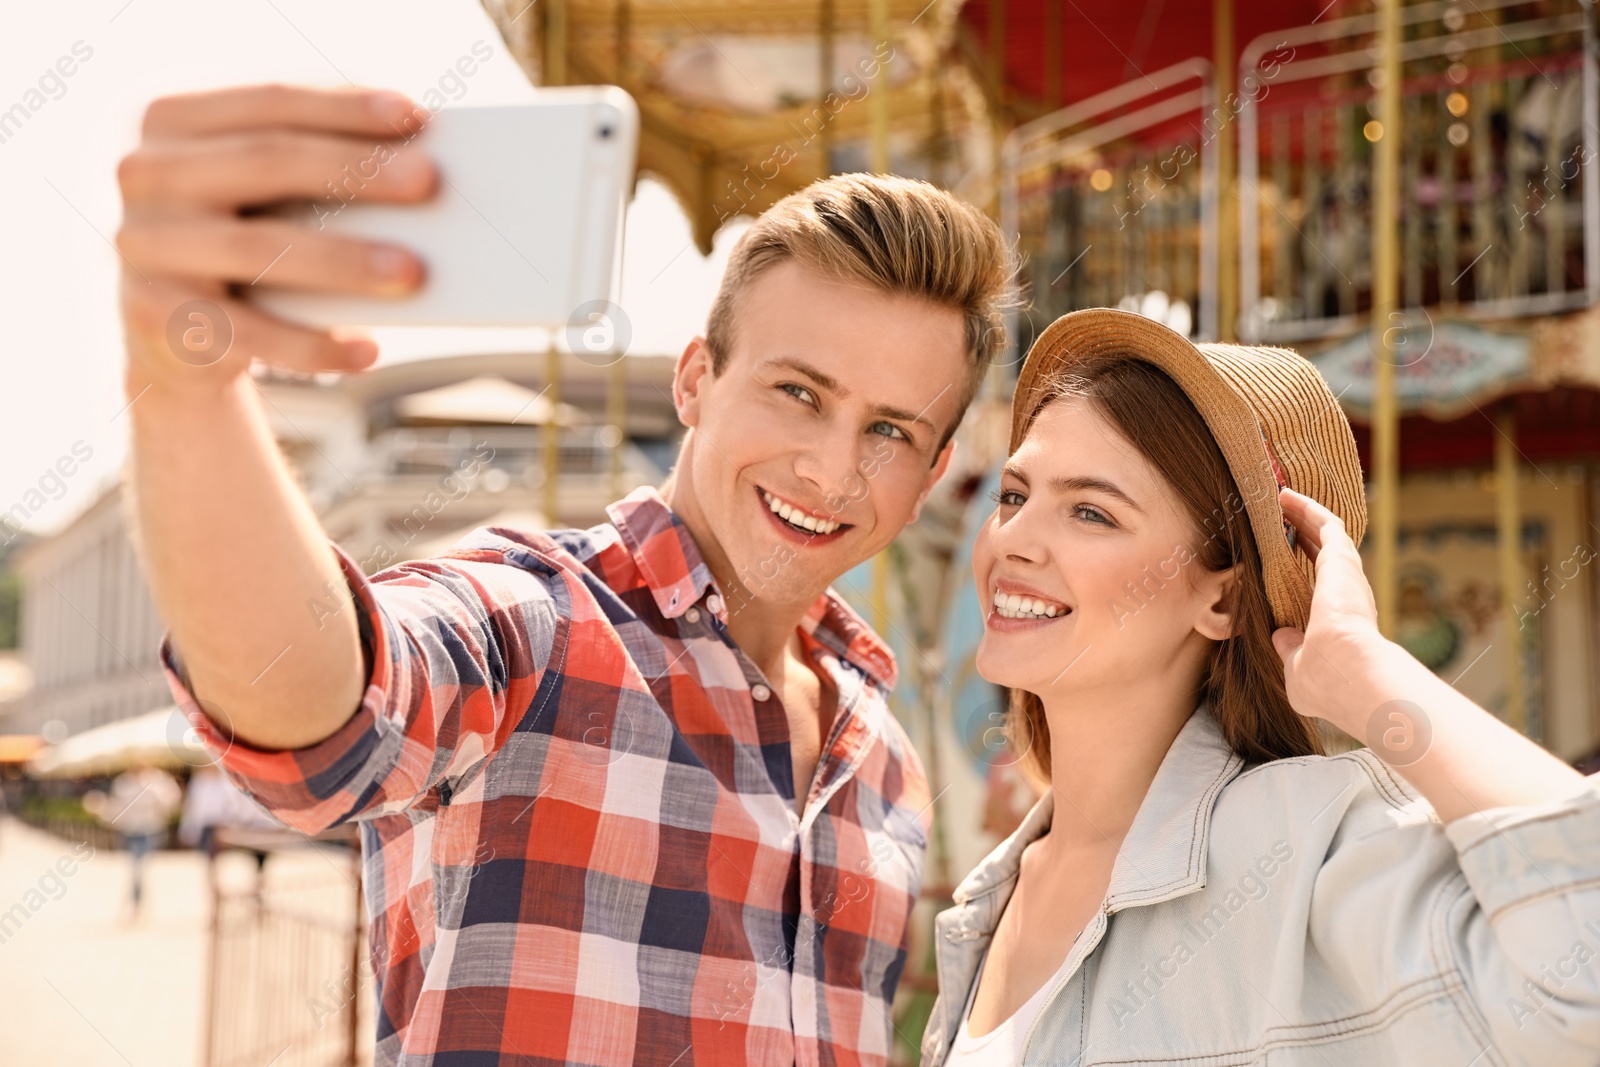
x,y
1106,44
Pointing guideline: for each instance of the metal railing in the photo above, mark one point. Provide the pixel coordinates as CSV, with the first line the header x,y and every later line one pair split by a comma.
x,y
289,981
1113,199
1500,187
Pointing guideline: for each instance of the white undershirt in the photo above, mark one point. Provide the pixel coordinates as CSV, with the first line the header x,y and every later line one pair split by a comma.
x,y
1002,1046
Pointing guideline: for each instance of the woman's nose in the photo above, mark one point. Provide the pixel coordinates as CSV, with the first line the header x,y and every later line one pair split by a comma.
x,y
1017,537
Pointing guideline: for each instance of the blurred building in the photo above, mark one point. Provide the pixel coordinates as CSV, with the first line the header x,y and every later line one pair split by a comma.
x,y
399,463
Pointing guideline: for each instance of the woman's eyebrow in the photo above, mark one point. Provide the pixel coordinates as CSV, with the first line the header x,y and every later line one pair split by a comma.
x,y
1078,483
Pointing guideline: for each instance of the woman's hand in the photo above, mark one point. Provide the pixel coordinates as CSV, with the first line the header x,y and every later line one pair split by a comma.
x,y
1328,665
1459,756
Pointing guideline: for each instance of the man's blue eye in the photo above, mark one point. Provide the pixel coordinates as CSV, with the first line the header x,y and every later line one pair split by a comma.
x,y
799,392
892,430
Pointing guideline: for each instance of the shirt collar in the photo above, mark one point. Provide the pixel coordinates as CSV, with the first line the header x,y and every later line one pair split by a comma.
x,y
663,549
1164,853
835,624
666,554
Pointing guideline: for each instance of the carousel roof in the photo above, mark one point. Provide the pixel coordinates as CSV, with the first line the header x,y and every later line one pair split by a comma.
x,y
742,102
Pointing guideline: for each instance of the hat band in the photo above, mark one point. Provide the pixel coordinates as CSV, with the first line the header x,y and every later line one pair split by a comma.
x,y
1289,532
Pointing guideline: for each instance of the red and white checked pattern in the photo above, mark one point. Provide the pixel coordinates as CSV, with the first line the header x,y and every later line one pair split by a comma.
x,y
579,833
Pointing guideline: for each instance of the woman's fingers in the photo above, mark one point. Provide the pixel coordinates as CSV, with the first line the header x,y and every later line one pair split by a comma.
x,y
1341,581
1286,639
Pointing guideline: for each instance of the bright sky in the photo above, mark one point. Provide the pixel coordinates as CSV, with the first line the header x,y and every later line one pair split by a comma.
x,y
59,271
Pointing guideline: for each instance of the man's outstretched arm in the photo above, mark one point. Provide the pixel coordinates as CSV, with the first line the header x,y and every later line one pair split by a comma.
x,y
234,556
232,550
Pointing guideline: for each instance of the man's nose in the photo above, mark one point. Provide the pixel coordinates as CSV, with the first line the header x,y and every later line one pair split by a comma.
x,y
830,462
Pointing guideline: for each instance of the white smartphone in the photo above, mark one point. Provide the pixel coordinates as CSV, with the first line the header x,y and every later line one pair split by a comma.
x,y
524,229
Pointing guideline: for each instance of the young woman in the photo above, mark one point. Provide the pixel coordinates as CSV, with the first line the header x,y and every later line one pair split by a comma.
x,y
1199,885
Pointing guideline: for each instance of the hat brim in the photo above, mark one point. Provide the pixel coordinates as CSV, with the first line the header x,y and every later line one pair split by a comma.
x,y
1095,333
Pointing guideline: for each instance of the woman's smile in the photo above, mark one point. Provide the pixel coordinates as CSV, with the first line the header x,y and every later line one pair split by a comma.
x,y
1015,606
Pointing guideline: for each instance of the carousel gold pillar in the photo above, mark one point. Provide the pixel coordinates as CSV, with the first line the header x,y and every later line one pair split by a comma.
x,y
555,42
1385,294
880,164
1508,540
880,95
825,80
617,417
1228,199
995,71
552,434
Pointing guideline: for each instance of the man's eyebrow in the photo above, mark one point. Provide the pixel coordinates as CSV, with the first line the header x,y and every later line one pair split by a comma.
x,y
833,386
827,382
901,414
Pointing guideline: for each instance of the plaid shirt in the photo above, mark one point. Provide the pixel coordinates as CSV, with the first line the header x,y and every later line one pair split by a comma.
x,y
577,811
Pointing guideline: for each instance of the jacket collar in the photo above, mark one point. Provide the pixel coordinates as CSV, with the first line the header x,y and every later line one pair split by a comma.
x,y
1164,853
677,575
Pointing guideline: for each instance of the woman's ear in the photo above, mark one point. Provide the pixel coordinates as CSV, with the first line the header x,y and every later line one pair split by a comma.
x,y
1219,595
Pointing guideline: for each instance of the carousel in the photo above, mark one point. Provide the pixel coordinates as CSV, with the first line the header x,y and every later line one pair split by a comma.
x,y
1241,170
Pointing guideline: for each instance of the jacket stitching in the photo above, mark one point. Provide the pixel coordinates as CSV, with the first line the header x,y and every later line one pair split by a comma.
x,y
1446,960
1587,883
1554,816
1389,787
1197,840
1364,1022
1379,774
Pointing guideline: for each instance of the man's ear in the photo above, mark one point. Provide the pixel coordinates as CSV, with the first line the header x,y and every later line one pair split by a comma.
x,y
1219,592
690,374
935,472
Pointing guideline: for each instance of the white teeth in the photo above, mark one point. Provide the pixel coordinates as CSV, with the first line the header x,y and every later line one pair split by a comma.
x,y
795,517
1012,606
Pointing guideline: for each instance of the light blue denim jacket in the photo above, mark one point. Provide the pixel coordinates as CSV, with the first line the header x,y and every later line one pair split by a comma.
x,y
1310,912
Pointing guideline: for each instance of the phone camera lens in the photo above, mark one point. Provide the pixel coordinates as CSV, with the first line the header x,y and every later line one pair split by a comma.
x,y
605,131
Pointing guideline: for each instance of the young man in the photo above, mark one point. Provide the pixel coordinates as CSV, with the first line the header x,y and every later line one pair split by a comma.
x,y
628,794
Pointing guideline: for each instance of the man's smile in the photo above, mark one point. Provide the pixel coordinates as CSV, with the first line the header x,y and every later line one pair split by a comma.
x,y
800,523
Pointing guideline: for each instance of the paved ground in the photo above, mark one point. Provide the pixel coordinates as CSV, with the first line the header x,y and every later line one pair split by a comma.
x,y
79,983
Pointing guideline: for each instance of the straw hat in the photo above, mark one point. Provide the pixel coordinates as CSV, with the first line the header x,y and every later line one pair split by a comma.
x,y
1273,416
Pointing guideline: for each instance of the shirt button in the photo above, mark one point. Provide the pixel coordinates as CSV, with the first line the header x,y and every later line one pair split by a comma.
x,y
714,602
693,615
760,692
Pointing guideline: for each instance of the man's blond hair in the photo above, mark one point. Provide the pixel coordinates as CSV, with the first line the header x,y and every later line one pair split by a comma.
x,y
900,235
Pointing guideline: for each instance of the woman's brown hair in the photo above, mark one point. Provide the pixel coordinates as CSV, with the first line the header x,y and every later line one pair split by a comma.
x,y
1243,682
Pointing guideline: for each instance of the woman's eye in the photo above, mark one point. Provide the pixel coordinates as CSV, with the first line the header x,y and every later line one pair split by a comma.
x,y
1092,514
889,429
799,392
1008,498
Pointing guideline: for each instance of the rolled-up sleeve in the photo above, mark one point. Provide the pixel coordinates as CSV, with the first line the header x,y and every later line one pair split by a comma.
x,y
1496,913
457,644
1530,950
